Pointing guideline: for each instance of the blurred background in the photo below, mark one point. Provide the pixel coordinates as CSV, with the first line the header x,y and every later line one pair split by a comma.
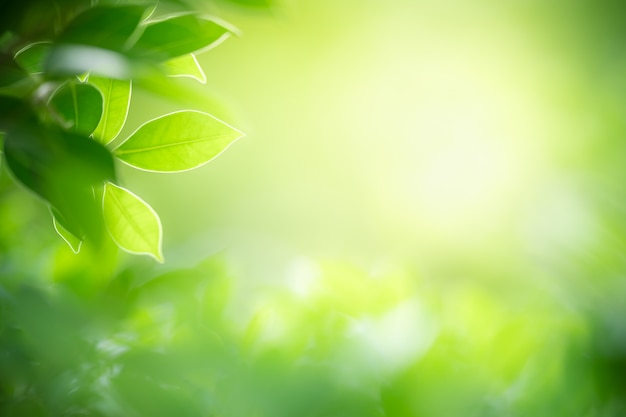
x,y
425,218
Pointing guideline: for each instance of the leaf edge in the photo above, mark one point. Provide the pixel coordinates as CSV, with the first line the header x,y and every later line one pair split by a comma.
x,y
157,257
241,135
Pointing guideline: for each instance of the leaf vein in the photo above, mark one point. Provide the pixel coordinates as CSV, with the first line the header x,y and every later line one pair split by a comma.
x,y
126,215
121,151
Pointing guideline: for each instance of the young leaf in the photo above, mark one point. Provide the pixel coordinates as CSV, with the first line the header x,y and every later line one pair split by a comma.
x,y
116,95
176,36
33,56
107,27
185,66
131,222
72,241
177,141
79,105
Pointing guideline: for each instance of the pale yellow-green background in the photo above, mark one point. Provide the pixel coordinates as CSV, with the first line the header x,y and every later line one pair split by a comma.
x,y
449,132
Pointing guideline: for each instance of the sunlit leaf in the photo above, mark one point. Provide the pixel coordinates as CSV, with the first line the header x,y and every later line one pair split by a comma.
x,y
79,105
131,222
14,80
116,101
176,36
108,27
185,66
68,237
177,142
33,56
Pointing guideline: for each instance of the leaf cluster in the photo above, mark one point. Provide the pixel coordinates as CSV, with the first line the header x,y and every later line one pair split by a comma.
x,y
66,84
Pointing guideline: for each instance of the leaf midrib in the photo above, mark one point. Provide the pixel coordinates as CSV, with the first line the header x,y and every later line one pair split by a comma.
x,y
121,151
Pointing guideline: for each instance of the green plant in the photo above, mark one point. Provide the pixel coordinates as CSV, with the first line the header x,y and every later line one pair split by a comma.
x,y
65,89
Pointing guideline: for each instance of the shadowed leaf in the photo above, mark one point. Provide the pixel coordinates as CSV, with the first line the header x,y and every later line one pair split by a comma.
x,y
176,36
107,27
79,105
10,72
68,237
33,56
62,168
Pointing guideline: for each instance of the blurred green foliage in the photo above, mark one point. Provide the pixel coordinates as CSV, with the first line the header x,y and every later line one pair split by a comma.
x,y
468,297
356,342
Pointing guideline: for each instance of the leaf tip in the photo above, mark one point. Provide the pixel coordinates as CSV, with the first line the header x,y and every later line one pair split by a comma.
x,y
72,241
159,257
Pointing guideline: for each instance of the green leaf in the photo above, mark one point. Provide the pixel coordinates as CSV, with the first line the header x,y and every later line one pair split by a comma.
x,y
10,72
14,112
185,66
79,106
108,27
116,95
132,223
62,168
176,36
177,141
68,237
33,56
38,19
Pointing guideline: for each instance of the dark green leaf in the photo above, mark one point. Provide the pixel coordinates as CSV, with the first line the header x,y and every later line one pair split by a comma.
x,y
10,72
33,56
13,111
63,168
79,106
38,19
108,27
73,241
176,36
